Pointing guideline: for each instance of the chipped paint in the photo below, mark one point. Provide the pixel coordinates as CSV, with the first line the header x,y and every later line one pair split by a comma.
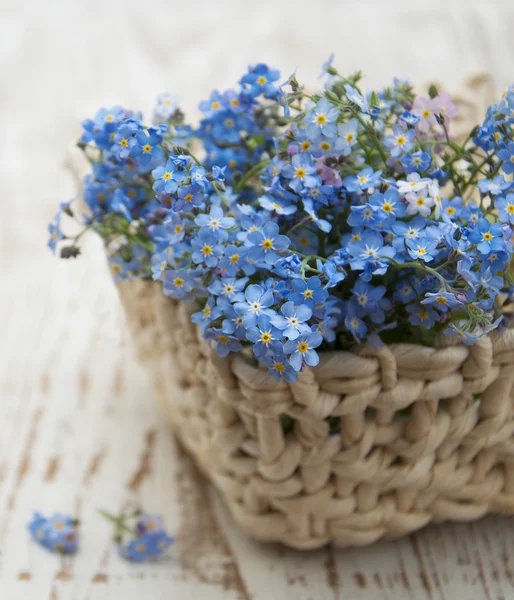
x,y
204,551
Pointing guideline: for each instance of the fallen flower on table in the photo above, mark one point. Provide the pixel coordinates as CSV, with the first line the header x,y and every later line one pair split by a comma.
x,y
140,536
58,533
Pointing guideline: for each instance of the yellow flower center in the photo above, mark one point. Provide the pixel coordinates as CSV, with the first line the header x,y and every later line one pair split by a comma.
x,y
300,173
223,339
266,337
305,145
267,244
321,119
147,148
215,105
303,347
207,250
308,294
109,118
101,197
278,366
349,137
326,146
451,210
441,300
510,208
166,176
487,236
400,140
262,80
234,259
188,197
124,143
387,207
234,102
423,315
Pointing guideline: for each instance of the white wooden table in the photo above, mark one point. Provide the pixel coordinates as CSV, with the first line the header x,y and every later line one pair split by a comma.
x,y
79,427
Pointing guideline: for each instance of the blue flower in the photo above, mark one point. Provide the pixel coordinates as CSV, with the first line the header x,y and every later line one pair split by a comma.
x,y
288,267
494,186
362,215
199,177
422,248
367,299
279,367
422,315
168,177
264,336
489,238
229,288
507,155
400,141
322,119
442,300
58,533
301,172
188,197
293,321
235,259
259,80
265,242
322,224
301,350
418,161
332,272
388,205
368,254
206,249
159,264
213,105
365,180
178,283
216,223
467,337
258,302
175,229
347,136
505,206
410,118
124,139
225,343
308,292
55,234
357,98
147,146
207,315
352,321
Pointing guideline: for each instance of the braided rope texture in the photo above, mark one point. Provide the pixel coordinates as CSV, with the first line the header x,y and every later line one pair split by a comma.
x,y
426,434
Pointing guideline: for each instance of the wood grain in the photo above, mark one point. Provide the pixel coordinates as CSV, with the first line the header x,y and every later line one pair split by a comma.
x,y
80,429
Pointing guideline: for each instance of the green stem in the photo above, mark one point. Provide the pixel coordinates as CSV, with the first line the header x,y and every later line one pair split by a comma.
x,y
255,170
118,521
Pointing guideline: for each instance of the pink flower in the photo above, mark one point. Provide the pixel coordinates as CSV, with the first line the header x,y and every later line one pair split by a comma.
x,y
424,109
443,105
328,175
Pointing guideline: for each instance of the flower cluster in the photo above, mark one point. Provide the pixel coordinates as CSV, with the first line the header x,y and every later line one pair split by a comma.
x,y
58,533
147,538
313,221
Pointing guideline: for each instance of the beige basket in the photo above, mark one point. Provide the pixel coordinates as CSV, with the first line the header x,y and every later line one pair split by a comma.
x,y
383,475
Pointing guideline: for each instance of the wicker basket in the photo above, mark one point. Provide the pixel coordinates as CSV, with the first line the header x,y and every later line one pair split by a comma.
x,y
425,434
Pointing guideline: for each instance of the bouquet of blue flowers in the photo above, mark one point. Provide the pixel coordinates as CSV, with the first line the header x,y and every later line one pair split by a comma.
x,y
301,221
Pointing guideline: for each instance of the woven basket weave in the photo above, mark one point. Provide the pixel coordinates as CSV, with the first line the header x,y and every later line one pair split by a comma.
x,y
425,434
387,472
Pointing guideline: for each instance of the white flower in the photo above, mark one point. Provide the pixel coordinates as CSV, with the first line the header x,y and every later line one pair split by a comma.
x,y
414,183
419,203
